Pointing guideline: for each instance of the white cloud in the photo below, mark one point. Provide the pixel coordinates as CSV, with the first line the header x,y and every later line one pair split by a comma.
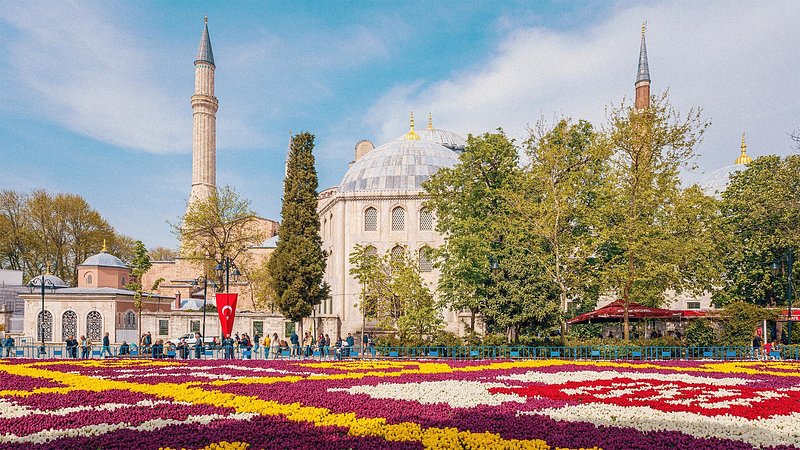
x,y
735,60
76,67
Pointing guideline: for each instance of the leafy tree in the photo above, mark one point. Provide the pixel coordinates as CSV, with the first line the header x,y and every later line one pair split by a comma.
x,y
162,254
740,320
646,247
556,204
219,227
418,315
297,266
699,333
760,221
59,231
140,264
470,204
371,271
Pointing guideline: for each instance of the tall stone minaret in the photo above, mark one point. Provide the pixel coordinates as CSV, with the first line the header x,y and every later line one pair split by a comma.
x,y
204,109
643,77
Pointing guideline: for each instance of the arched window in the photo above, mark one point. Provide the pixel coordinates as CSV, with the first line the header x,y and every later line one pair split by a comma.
x,y
94,326
425,220
44,325
425,260
324,227
129,321
89,279
122,281
398,219
371,219
372,251
397,252
69,325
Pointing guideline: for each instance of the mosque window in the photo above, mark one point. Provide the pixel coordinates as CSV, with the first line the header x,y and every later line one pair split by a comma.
x,y
69,325
89,279
371,219
372,251
122,281
425,220
398,219
425,260
129,321
397,252
94,326
44,326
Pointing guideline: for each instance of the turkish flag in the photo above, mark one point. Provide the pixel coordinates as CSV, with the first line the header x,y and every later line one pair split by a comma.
x,y
226,308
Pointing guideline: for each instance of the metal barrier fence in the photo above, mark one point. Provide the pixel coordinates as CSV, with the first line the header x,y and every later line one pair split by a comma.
x,y
623,353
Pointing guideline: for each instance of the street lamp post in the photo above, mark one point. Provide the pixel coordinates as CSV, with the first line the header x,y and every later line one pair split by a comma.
x,y
224,269
43,282
786,261
203,279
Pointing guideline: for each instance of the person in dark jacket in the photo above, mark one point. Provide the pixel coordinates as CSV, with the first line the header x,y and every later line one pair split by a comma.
x,y
295,339
9,346
198,345
124,349
350,343
72,347
227,345
106,346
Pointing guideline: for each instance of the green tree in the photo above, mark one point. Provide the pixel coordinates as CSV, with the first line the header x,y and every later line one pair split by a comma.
x,y
418,315
371,272
162,254
219,227
740,321
644,250
473,205
557,202
297,266
760,221
140,264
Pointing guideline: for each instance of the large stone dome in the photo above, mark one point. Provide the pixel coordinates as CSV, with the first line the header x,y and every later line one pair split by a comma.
x,y
398,165
444,137
715,182
104,259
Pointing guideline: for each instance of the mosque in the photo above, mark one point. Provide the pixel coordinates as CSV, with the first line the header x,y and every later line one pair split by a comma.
x,y
379,204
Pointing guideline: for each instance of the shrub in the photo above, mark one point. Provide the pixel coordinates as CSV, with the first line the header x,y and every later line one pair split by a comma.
x,y
740,320
699,333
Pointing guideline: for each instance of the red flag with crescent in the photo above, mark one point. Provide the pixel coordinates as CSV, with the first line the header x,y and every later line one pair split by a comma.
x,y
226,308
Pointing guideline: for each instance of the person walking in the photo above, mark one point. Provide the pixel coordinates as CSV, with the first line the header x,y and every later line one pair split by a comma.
x,y
227,345
757,346
72,347
198,345
86,347
106,346
295,340
275,343
267,342
350,343
9,345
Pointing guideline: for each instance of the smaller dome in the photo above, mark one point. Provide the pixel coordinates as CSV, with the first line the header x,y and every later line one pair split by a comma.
x,y
48,281
104,259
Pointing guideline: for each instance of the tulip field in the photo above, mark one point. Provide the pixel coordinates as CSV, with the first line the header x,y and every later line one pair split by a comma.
x,y
387,404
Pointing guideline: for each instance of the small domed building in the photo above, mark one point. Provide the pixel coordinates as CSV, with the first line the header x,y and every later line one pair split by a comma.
x,y
100,303
379,204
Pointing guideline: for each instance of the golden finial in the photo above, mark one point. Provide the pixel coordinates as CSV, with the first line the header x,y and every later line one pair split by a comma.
x,y
47,268
743,158
644,26
104,249
430,121
411,135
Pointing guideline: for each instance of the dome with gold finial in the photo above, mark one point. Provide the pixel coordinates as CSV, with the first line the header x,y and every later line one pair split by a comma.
x,y
743,158
714,183
403,164
443,137
104,259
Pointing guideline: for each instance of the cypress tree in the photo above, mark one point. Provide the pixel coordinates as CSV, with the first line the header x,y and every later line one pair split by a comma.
x,y
298,263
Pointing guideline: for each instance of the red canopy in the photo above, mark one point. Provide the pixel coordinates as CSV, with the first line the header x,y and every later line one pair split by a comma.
x,y
785,315
614,311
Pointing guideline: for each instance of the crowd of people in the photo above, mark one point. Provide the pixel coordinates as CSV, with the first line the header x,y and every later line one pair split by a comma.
x,y
231,347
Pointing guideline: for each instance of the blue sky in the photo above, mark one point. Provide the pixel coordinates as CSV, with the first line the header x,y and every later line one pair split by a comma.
x,y
94,96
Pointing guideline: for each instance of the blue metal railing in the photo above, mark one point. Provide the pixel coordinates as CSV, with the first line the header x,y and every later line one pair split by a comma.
x,y
600,352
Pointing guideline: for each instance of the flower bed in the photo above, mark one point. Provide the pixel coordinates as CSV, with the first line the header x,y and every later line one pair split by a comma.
x,y
398,404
